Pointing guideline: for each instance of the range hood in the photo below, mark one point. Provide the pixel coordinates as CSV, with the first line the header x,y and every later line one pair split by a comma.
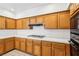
x,y
36,26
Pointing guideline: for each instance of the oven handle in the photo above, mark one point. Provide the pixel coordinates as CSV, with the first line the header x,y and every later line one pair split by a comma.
x,y
73,45
76,48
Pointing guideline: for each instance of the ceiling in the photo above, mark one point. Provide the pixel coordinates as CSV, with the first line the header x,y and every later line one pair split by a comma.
x,y
13,9
20,7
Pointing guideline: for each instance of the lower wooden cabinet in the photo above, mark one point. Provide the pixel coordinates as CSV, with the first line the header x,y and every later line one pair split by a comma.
x,y
1,47
67,49
46,48
23,44
17,43
58,49
9,44
37,47
29,46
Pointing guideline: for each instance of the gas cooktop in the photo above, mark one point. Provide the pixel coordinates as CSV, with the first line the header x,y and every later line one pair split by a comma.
x,y
37,36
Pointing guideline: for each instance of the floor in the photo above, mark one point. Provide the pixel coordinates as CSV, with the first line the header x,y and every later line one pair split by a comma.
x,y
16,53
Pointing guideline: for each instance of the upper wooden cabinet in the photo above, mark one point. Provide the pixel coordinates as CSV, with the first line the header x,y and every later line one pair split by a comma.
x,y
22,23
25,23
58,20
64,20
10,23
32,20
50,21
74,9
2,22
19,24
39,19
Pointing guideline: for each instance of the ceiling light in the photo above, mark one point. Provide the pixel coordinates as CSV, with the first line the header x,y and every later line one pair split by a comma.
x,y
12,9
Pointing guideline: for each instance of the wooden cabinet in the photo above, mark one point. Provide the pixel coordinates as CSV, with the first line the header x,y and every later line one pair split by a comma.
x,y
29,47
25,23
10,23
46,48
64,20
9,44
22,44
32,20
1,46
39,19
58,49
37,47
2,22
17,43
73,23
19,24
67,48
50,21
74,8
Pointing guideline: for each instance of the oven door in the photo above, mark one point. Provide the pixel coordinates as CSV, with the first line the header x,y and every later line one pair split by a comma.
x,y
74,50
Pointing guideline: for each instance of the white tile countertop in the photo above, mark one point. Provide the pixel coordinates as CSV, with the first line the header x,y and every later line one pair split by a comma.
x,y
60,40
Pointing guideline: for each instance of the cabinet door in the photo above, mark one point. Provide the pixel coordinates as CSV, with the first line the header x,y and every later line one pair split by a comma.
x,y
19,24
9,44
10,23
46,48
46,51
71,9
74,8
23,44
37,47
58,49
39,19
29,46
64,20
1,47
25,24
50,21
17,43
2,22
59,52
33,20
67,49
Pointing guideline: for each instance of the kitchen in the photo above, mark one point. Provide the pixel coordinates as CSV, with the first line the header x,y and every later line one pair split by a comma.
x,y
37,29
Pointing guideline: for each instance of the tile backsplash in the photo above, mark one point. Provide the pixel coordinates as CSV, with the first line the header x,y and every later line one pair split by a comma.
x,y
56,33
53,33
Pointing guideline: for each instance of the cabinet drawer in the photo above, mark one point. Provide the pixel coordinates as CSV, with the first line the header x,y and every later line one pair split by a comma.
x,y
37,42
46,43
58,45
22,40
46,51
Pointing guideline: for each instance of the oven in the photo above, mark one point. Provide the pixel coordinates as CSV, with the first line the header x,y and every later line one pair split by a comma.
x,y
74,44
74,48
